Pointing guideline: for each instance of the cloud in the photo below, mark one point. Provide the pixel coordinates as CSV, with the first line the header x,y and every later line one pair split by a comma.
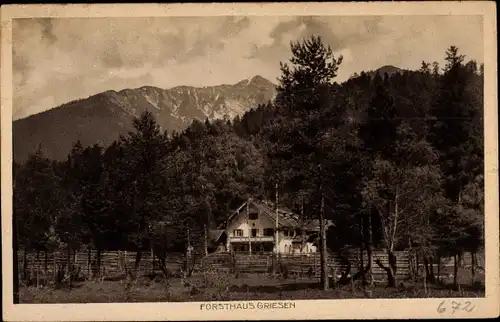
x,y
59,60
337,32
215,41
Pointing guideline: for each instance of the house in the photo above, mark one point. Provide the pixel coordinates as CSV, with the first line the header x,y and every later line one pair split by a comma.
x,y
252,228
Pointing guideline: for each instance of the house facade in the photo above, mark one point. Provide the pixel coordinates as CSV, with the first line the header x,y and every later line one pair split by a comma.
x,y
252,228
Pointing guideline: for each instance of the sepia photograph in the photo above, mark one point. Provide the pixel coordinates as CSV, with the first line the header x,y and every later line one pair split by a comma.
x,y
243,159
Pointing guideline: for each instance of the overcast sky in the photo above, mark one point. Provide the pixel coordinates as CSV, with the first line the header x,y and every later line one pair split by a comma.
x,y
59,60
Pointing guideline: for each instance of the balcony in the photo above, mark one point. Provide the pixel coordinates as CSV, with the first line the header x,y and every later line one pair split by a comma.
x,y
251,239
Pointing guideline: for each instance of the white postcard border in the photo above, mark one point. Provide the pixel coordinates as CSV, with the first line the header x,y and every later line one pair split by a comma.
x,y
304,309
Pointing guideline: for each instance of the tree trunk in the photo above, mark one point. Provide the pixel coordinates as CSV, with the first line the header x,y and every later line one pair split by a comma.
x,y
191,265
54,261
37,268
432,275
389,238
362,266
70,268
25,265
45,267
473,267
361,255
206,240
163,266
439,269
138,256
89,262
75,263
303,240
98,255
369,250
153,262
233,262
389,234
416,266
277,233
324,264
302,227
425,275
427,268
392,269
455,271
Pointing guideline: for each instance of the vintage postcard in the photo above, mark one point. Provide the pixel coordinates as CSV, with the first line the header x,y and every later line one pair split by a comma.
x,y
249,161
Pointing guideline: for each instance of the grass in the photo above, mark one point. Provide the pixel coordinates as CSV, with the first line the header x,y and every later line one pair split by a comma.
x,y
228,288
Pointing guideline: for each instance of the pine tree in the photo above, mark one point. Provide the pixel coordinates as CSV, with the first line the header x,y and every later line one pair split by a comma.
x,y
304,95
144,152
37,205
457,134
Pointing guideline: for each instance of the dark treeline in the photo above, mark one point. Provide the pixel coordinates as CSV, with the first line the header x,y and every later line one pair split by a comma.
x,y
395,162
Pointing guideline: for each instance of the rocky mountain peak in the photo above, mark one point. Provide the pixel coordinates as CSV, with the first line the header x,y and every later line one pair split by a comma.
x,y
104,116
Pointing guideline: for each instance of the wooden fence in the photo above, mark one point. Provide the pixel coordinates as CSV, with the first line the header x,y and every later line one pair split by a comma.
x,y
115,264
112,263
303,264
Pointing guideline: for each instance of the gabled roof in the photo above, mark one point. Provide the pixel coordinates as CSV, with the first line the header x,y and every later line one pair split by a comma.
x,y
286,218
215,237
215,234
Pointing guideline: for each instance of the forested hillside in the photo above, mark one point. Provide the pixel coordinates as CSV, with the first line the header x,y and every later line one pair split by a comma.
x,y
396,162
104,116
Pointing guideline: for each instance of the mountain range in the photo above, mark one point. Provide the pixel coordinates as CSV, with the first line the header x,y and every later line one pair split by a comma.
x,y
101,118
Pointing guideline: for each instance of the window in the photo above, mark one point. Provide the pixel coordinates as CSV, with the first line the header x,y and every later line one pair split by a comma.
x,y
253,216
238,233
255,232
268,232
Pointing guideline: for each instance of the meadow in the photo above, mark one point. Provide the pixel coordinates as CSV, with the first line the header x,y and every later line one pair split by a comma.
x,y
230,287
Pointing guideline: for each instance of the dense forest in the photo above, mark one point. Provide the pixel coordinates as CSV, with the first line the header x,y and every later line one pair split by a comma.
x,y
395,162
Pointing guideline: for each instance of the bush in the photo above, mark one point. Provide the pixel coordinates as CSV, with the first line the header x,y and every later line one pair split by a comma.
x,y
214,279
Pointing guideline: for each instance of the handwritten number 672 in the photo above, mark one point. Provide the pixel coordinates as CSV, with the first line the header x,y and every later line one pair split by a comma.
x,y
467,306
